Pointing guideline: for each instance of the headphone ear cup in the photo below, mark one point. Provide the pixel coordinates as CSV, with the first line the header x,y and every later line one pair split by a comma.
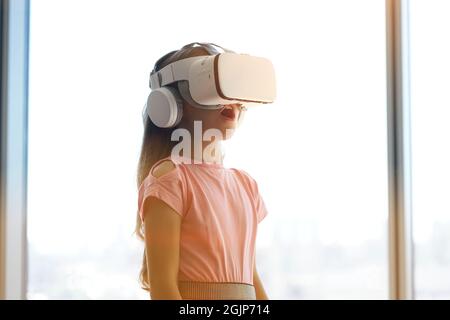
x,y
165,107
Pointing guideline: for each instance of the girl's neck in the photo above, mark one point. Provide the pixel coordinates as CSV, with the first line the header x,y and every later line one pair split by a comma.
x,y
205,152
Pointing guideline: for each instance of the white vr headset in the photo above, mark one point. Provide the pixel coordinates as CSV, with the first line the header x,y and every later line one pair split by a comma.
x,y
208,82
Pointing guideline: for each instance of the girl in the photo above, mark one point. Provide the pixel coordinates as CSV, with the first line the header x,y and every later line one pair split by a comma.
x,y
197,218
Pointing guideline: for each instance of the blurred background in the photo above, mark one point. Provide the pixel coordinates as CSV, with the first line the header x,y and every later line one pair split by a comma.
x,y
319,153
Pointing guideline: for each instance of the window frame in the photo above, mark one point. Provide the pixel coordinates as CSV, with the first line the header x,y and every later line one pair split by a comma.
x,y
399,150
14,24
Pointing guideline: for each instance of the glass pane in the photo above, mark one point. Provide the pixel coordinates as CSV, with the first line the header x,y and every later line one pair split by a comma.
x,y
318,153
430,101
88,82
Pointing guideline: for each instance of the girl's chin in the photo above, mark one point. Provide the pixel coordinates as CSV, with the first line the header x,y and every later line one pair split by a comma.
x,y
222,132
228,133
224,125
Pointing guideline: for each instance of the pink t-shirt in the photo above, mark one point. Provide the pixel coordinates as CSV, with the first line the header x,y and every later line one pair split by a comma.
x,y
220,209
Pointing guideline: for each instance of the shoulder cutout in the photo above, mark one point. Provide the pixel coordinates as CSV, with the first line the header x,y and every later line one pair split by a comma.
x,y
163,168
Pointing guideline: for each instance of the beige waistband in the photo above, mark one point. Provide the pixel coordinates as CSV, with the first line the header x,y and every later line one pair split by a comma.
x,y
193,290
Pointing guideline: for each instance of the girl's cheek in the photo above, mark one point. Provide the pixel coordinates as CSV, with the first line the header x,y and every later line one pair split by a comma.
x,y
211,123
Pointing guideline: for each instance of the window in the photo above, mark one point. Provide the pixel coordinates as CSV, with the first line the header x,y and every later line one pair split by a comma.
x,y
430,115
88,80
318,153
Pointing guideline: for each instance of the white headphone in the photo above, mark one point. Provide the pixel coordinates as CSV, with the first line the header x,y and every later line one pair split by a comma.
x,y
164,105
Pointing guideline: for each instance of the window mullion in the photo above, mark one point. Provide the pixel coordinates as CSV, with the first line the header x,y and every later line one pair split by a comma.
x,y
399,150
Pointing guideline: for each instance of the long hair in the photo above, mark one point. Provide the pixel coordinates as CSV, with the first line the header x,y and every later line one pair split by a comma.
x,y
157,144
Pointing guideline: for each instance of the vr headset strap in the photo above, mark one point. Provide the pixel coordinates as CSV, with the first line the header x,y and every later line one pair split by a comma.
x,y
208,46
176,71
179,70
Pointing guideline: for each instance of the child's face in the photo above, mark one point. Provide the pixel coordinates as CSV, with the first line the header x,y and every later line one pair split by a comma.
x,y
225,120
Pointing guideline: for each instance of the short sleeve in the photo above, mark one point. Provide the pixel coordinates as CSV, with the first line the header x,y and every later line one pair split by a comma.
x,y
260,205
168,188
261,210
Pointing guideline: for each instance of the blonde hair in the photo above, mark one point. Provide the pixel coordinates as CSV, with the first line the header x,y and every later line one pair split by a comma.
x,y
157,144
